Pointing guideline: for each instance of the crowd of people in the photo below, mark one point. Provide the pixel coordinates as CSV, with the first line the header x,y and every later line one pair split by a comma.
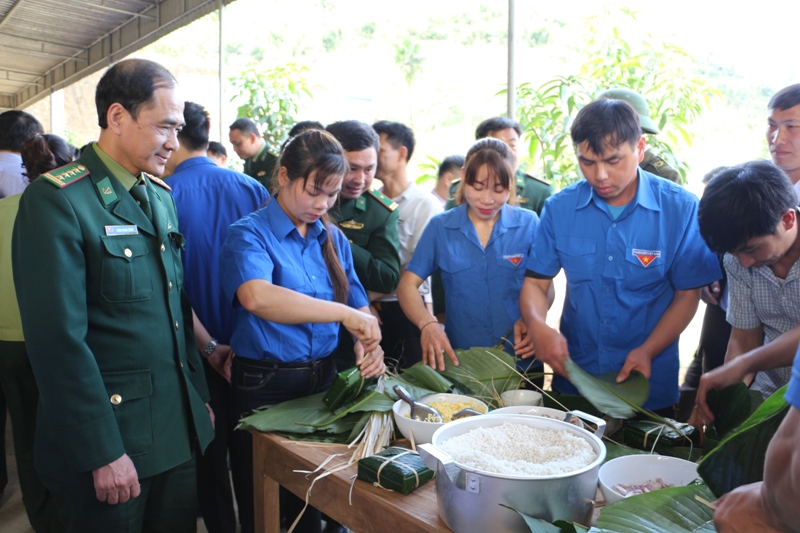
x,y
150,296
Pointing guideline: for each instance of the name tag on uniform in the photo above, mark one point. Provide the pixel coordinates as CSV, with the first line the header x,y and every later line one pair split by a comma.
x,y
114,231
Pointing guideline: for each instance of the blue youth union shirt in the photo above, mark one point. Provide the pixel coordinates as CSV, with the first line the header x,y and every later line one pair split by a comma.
x,y
266,245
482,286
622,274
792,395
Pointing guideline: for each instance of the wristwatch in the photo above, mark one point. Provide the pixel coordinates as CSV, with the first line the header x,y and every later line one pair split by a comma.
x,y
210,348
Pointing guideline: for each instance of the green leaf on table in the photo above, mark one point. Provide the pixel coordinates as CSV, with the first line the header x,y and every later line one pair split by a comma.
x,y
293,416
739,458
617,400
369,401
537,525
570,402
423,376
484,372
674,510
614,450
570,527
731,406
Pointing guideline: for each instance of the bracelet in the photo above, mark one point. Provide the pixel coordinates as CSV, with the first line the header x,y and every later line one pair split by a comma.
x,y
428,324
212,344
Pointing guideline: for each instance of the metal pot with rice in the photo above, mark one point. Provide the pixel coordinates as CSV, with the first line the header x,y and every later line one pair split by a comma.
x,y
541,467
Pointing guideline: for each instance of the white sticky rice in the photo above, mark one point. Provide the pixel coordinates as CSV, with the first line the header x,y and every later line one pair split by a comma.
x,y
520,450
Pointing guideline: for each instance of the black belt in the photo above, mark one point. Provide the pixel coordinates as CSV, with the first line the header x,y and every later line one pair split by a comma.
x,y
276,365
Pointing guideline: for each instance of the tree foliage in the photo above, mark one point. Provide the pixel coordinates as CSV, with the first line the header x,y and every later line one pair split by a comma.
x,y
271,99
662,73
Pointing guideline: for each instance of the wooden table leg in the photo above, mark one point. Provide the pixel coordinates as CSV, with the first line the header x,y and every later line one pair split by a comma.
x,y
266,493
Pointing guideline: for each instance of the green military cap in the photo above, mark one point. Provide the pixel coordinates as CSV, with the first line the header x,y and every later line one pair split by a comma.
x,y
637,102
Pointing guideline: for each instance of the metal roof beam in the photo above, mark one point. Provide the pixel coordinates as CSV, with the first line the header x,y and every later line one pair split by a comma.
x,y
42,53
103,5
10,12
65,44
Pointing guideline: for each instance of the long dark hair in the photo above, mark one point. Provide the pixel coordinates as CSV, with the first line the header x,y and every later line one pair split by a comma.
x,y
43,153
318,152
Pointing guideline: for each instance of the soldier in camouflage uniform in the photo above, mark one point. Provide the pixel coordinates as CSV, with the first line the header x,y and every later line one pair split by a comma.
x,y
368,218
652,162
250,146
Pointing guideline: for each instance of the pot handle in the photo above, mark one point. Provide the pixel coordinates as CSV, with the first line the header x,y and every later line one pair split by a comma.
x,y
432,456
599,422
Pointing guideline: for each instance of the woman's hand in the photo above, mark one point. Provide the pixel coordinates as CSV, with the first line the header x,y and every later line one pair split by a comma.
x,y
434,345
370,363
364,327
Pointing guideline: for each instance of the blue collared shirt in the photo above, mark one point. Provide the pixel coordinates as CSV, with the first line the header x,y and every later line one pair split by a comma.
x,y
622,274
792,395
266,245
209,199
481,285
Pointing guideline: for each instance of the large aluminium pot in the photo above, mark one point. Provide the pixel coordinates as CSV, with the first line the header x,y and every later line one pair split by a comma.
x,y
472,500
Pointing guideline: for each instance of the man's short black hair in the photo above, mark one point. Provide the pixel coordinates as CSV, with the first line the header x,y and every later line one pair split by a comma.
x,y
354,135
496,124
246,126
397,134
130,83
605,123
744,202
786,98
217,149
305,125
452,163
194,134
16,127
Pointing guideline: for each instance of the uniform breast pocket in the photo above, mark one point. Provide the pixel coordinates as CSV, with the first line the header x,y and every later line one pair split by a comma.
x,y
129,393
578,257
454,274
125,274
177,242
512,273
645,268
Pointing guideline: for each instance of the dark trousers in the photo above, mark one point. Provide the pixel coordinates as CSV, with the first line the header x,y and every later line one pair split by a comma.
x,y
401,338
22,397
213,475
256,384
167,504
710,354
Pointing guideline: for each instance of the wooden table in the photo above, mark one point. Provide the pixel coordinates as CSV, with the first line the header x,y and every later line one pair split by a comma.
x,y
374,510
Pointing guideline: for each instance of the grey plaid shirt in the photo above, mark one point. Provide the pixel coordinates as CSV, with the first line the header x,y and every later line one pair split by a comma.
x,y
759,298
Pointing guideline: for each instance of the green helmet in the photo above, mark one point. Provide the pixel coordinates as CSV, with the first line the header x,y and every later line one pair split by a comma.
x,y
637,102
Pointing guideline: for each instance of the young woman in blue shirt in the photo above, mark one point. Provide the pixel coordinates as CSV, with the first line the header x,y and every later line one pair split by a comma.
x,y
480,248
288,273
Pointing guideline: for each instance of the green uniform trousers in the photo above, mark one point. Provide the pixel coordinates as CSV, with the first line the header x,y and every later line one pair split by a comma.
x,y
167,504
22,395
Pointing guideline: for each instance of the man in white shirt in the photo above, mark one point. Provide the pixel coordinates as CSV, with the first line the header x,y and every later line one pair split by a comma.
x,y
16,127
783,132
400,336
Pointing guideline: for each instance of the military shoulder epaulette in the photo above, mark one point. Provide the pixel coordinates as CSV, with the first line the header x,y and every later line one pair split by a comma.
x,y
61,177
158,181
384,200
540,180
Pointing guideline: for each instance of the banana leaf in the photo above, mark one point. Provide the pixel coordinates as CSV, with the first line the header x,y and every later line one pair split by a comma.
x,y
484,373
369,401
672,510
731,407
424,377
346,386
413,388
570,402
617,400
614,450
293,416
739,458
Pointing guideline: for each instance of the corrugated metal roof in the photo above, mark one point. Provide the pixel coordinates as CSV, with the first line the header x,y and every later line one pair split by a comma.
x,y
46,45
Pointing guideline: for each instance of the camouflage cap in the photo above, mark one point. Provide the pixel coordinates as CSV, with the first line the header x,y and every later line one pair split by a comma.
x,y
638,103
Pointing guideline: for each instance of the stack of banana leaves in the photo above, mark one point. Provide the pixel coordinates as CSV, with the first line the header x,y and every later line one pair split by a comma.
x,y
358,412
732,453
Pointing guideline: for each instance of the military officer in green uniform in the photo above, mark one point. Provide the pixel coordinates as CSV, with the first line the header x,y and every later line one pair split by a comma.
x,y
531,191
367,217
97,269
652,162
250,146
